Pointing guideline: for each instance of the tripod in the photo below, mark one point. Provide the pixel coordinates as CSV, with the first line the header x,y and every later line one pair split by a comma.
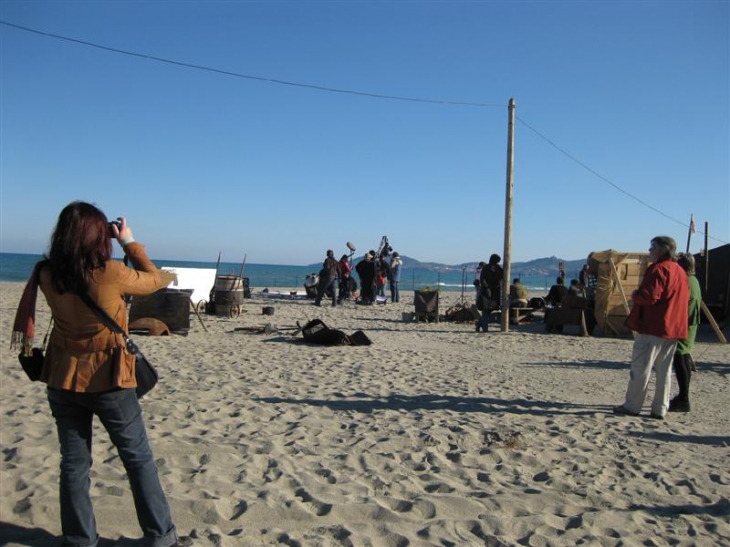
x,y
462,298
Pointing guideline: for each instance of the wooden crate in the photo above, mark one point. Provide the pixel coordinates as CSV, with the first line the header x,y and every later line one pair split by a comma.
x,y
618,275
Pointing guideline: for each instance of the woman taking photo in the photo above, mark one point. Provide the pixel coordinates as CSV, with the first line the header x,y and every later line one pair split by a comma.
x,y
87,369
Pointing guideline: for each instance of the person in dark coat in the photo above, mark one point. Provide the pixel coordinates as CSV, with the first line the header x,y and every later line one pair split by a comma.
x,y
557,292
366,271
327,279
490,290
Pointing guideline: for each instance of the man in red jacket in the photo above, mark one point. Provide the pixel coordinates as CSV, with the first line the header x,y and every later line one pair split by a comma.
x,y
658,317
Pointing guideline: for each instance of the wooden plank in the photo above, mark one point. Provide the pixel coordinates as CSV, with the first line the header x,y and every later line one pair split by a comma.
x,y
712,321
621,288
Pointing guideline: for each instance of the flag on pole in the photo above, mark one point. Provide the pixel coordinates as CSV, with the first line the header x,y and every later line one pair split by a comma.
x,y
691,229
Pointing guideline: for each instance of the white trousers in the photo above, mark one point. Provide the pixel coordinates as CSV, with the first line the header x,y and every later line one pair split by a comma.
x,y
650,351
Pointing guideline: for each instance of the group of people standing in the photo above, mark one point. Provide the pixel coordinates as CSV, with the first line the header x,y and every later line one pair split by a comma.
x,y
488,282
89,373
664,317
374,272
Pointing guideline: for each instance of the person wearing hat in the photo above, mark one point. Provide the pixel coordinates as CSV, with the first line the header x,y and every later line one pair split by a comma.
x,y
394,277
327,279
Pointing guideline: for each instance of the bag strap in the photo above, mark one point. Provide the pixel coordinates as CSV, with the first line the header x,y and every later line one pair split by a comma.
x,y
109,322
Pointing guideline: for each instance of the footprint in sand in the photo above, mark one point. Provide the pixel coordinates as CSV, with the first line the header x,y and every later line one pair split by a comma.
x,y
318,508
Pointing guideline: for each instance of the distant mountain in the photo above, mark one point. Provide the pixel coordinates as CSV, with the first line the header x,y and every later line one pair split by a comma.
x,y
547,266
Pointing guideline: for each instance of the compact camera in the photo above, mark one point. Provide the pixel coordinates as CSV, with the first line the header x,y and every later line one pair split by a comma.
x,y
116,223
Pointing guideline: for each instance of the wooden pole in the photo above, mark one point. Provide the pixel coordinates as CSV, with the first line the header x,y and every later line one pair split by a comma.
x,y
243,265
707,257
195,309
210,308
507,254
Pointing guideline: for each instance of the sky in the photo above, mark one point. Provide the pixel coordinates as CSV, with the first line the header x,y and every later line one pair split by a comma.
x,y
277,130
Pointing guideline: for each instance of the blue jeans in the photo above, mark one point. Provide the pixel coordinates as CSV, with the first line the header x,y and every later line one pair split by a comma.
x,y
394,292
121,415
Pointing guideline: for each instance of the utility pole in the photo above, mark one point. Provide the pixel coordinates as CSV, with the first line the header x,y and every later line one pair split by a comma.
x,y
507,254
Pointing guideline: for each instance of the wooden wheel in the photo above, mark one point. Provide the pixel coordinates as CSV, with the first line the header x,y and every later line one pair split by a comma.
x,y
200,306
235,310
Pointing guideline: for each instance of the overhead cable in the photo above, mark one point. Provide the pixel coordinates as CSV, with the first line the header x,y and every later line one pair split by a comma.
x,y
604,179
348,92
249,76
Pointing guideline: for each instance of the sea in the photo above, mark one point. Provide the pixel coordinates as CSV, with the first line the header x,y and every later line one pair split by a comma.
x,y
18,267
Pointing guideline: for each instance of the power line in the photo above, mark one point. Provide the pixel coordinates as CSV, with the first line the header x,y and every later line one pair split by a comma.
x,y
249,76
604,179
348,92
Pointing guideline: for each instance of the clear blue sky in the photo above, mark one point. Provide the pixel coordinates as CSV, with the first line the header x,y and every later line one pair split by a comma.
x,y
622,125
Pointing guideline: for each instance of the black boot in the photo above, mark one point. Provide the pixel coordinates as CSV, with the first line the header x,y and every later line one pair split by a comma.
x,y
682,364
676,405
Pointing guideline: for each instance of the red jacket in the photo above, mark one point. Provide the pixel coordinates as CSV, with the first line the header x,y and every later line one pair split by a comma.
x,y
660,304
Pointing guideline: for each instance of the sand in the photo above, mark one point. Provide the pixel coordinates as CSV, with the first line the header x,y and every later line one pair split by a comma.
x,y
432,436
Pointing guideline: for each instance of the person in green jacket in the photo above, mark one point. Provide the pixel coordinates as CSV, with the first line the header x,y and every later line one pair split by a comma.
x,y
683,362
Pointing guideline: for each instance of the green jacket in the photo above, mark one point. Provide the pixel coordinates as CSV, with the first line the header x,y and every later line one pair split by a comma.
x,y
695,297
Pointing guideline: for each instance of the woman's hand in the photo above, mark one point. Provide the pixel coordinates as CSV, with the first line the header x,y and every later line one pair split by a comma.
x,y
122,232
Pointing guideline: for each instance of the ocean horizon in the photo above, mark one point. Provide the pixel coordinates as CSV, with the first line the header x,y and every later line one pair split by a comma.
x,y
18,266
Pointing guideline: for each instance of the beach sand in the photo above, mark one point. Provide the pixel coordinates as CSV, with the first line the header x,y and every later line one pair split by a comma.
x,y
432,436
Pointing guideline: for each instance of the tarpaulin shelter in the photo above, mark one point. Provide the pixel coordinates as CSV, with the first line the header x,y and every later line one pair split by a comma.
x,y
713,273
617,274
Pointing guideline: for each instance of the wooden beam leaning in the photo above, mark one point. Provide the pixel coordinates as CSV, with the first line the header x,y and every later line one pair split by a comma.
x,y
195,309
715,327
620,286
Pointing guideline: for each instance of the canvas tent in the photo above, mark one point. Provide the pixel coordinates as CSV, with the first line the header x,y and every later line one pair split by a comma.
x,y
617,275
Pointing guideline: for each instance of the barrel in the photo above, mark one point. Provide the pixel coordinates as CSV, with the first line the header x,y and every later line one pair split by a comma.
x,y
228,294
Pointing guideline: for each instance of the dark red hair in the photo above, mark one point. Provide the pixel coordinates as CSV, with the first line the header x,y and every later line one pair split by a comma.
x,y
81,242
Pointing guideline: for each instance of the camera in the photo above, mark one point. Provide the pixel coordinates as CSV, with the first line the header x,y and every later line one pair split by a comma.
x,y
116,223
384,249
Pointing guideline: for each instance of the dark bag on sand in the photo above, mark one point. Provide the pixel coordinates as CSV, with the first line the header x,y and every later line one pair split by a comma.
x,y
145,373
316,332
32,364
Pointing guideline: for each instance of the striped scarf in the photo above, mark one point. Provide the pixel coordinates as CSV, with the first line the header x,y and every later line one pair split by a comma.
x,y
24,324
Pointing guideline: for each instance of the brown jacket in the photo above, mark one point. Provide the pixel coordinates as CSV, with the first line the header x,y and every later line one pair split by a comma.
x,y
83,354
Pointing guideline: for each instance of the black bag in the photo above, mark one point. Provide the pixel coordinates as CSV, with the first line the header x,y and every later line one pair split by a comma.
x,y
32,364
316,332
145,373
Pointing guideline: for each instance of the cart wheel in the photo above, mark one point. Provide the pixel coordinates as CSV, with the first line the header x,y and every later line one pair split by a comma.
x,y
235,311
200,306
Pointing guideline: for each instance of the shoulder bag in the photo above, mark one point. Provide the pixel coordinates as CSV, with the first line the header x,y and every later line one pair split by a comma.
x,y
32,362
146,374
